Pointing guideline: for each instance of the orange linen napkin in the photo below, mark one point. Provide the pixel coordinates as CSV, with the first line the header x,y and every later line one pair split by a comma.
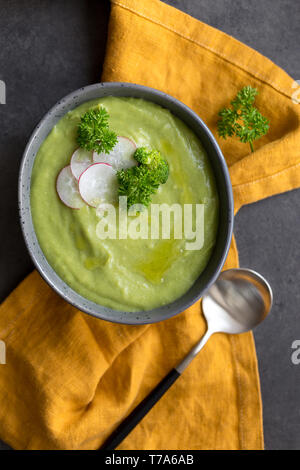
x,y
70,378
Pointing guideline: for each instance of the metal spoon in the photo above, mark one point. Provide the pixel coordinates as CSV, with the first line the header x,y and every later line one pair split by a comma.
x,y
238,301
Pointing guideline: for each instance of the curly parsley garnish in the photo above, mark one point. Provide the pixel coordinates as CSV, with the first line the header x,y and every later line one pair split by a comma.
x,y
243,120
94,132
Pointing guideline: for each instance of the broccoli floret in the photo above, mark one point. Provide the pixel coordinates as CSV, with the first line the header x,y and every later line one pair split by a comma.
x,y
141,155
154,160
139,183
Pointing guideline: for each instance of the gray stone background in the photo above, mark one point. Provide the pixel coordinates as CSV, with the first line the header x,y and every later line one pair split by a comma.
x,y
49,48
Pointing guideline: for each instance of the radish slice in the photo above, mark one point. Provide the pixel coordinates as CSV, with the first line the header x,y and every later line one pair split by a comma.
x,y
67,189
80,161
120,157
98,184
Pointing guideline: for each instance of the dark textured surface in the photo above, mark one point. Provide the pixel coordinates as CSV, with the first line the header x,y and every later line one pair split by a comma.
x,y
48,48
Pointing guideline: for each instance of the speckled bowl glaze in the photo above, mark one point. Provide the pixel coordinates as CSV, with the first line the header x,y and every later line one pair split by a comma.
x,y
192,120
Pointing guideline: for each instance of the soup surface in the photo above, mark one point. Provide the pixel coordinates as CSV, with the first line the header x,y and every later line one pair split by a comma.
x,y
125,274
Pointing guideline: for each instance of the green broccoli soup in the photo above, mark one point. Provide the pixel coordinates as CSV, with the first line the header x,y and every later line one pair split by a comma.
x,y
124,203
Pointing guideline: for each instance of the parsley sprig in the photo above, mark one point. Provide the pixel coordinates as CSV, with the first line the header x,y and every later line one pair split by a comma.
x,y
243,120
94,132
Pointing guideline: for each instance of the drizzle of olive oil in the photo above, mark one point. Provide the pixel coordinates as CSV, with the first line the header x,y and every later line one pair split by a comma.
x,y
91,263
80,243
166,146
160,259
178,174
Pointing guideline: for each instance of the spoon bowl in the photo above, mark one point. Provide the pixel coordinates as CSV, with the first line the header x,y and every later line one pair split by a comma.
x,y
238,301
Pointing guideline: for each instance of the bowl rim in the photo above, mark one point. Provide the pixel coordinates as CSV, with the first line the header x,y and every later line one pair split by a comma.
x,y
42,265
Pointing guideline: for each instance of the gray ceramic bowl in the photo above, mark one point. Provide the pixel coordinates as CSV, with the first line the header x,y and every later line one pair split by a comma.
x,y
193,121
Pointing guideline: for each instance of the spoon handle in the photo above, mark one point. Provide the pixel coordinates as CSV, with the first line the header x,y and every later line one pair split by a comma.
x,y
140,411
193,352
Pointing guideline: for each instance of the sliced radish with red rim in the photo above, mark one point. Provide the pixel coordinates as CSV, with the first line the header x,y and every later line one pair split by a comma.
x,y
80,161
98,184
120,157
67,189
